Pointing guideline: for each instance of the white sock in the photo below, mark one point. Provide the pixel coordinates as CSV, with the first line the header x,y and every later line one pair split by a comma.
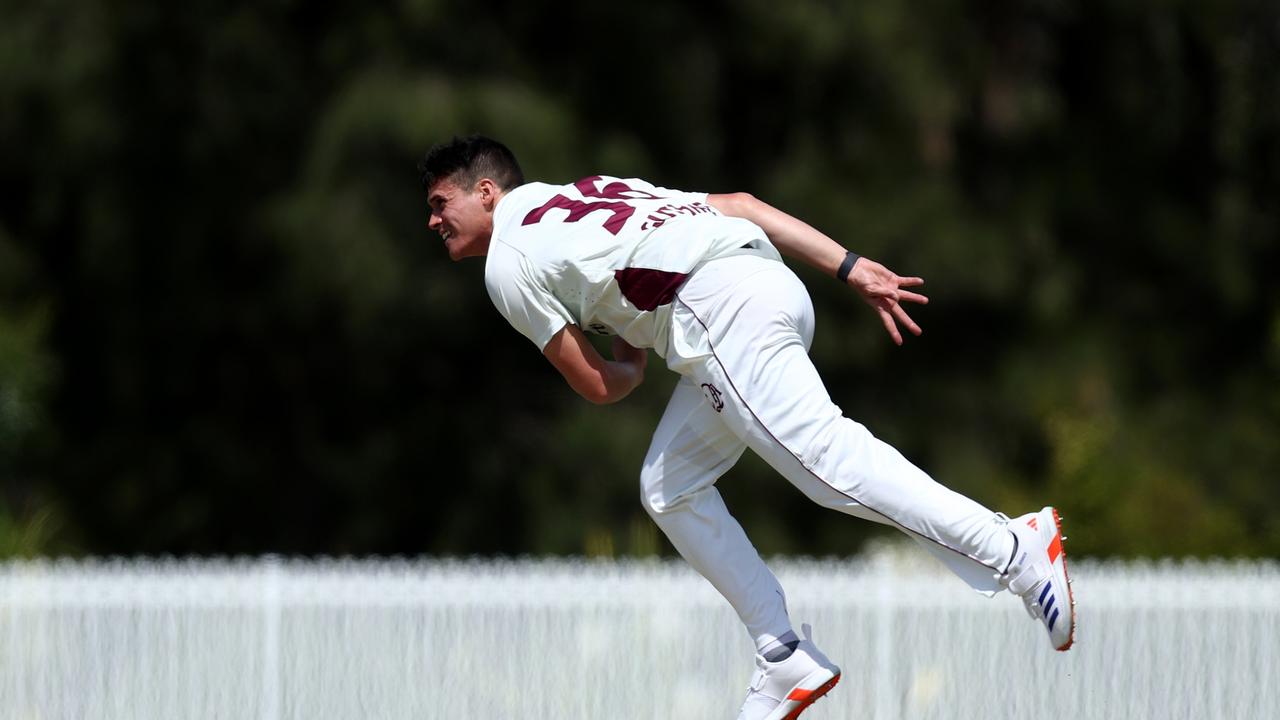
x,y
781,648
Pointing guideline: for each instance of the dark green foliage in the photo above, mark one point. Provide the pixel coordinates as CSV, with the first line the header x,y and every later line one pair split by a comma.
x,y
224,327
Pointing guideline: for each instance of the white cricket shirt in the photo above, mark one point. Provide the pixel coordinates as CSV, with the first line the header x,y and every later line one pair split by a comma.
x,y
605,254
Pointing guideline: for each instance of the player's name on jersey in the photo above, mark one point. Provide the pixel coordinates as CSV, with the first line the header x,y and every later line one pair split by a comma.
x,y
669,212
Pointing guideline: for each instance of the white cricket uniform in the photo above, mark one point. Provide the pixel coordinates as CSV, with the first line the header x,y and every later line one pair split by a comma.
x,y
709,293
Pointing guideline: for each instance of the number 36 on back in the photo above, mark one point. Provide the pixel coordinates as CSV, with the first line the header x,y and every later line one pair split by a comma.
x,y
613,196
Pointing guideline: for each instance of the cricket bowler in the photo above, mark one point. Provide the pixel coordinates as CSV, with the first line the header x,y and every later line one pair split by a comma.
x,y
699,278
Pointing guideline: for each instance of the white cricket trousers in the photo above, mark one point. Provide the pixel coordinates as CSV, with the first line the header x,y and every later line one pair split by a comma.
x,y
741,330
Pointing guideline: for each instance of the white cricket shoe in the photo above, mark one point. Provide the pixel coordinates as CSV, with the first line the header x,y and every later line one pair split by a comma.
x,y
783,690
1038,573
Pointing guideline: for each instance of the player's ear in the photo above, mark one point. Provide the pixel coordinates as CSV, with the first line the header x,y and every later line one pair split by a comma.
x,y
488,190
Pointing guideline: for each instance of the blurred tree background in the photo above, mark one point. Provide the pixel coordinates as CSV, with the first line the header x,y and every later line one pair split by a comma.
x,y
225,329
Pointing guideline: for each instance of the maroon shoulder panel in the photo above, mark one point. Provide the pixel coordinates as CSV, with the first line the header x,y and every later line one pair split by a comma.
x,y
648,289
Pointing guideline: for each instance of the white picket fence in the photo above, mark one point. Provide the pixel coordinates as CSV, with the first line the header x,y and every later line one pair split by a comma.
x,y
476,640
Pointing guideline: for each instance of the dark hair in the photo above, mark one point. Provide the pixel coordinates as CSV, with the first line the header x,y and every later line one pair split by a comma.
x,y
464,161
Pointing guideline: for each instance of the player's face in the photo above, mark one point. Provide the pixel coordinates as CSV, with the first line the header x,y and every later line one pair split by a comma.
x,y
464,218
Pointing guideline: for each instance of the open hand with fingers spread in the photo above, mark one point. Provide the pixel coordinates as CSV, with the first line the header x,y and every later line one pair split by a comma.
x,y
883,290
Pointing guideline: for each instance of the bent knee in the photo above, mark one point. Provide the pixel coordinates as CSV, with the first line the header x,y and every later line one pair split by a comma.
x,y
659,505
658,508
667,487
650,495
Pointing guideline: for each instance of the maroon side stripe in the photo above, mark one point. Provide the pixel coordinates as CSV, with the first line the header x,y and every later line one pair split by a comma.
x,y
648,289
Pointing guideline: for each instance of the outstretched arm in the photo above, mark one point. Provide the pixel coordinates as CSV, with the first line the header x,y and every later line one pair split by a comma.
x,y
594,378
880,287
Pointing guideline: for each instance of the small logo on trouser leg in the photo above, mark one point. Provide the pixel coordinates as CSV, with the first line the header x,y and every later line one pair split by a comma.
x,y
713,396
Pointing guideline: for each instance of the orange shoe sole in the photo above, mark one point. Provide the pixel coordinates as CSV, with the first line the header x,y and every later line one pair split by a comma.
x,y
821,690
1070,593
